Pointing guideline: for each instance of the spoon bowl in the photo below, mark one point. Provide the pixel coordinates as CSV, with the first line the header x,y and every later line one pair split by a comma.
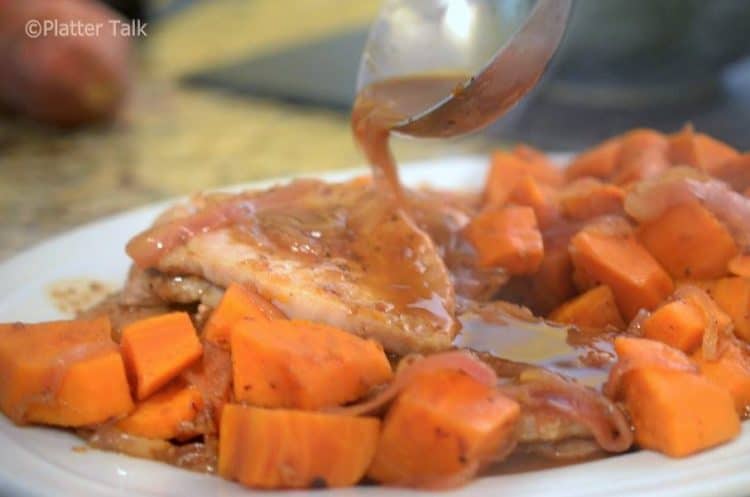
x,y
501,46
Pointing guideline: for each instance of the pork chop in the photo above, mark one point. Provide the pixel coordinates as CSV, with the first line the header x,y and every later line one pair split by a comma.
x,y
332,253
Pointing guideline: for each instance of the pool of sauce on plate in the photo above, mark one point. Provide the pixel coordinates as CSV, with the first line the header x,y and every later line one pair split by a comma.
x,y
558,348
75,295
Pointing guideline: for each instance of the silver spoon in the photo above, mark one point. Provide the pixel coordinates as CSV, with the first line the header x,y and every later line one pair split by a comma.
x,y
411,37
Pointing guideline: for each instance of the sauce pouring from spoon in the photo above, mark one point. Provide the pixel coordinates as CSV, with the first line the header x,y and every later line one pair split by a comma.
x,y
424,71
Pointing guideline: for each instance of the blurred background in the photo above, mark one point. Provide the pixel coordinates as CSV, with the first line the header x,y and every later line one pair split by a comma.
x,y
228,91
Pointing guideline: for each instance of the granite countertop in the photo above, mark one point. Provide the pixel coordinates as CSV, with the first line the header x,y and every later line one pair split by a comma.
x,y
172,140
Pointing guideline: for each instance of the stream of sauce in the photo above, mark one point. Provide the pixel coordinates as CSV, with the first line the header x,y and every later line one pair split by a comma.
x,y
382,105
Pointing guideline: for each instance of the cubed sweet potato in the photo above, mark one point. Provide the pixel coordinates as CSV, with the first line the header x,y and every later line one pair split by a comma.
x,y
65,373
734,171
689,242
277,449
679,324
541,198
733,296
594,309
598,162
688,148
539,165
298,364
507,237
620,262
157,349
237,303
441,424
643,154
166,414
508,168
678,413
586,198
731,371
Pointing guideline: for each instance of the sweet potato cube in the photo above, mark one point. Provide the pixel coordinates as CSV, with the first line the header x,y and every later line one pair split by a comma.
x,y
64,373
276,449
507,237
298,364
594,309
679,324
689,242
678,413
620,262
441,423
733,296
538,165
92,391
531,193
157,349
508,168
598,162
166,414
643,154
643,352
731,371
587,198
701,151
237,303
734,171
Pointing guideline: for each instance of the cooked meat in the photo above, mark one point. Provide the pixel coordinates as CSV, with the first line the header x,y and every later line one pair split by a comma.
x,y
150,287
546,425
138,290
186,289
333,253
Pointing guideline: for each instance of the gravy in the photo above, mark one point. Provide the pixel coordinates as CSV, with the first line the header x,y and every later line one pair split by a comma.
x,y
380,106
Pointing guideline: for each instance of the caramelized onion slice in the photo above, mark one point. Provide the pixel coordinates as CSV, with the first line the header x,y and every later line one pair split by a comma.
x,y
537,388
414,365
635,327
716,329
658,355
199,456
651,198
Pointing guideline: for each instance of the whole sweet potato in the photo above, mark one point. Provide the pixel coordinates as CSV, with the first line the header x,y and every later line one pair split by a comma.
x,y
62,77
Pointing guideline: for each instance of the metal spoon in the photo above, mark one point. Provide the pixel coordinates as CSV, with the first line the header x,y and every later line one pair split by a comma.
x,y
411,37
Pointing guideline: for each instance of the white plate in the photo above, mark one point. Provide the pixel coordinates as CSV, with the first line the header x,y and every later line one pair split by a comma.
x,y
41,462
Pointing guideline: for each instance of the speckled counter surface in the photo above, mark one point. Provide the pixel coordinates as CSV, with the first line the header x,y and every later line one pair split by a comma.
x,y
171,140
